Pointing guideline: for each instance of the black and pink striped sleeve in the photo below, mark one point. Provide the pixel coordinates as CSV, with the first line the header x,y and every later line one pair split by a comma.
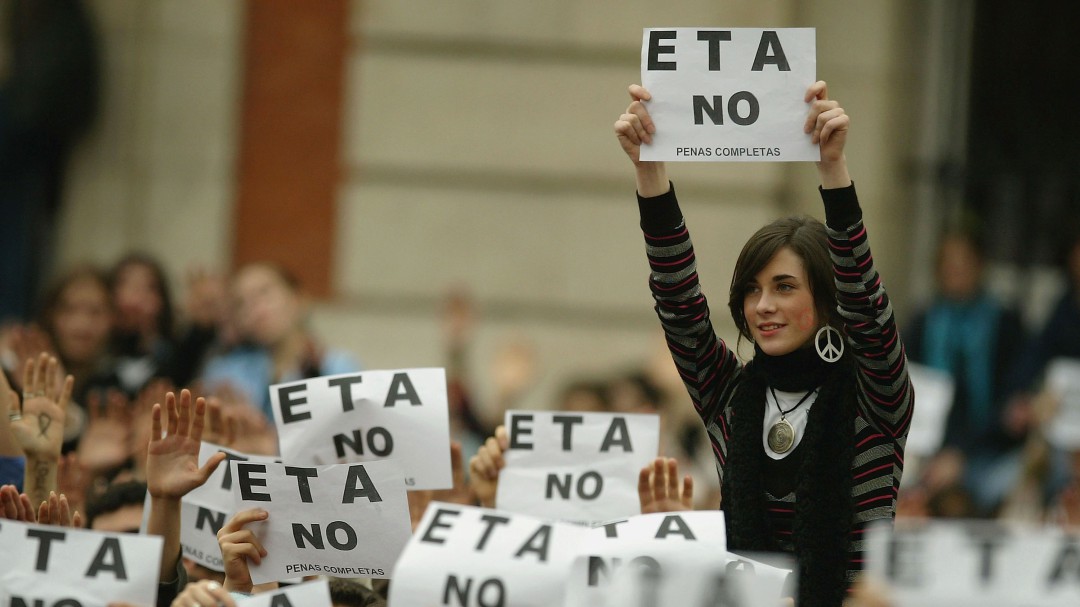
x,y
704,361
885,394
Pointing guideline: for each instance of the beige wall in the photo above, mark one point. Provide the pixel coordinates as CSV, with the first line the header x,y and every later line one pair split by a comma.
x,y
479,151
157,171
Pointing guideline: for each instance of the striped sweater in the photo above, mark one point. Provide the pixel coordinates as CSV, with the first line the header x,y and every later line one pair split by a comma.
x,y
710,369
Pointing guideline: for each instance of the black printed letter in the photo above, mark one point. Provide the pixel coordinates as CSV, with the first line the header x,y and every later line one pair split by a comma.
x,y
655,50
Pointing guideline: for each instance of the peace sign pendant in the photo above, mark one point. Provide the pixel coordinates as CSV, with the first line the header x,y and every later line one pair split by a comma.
x,y
781,436
833,347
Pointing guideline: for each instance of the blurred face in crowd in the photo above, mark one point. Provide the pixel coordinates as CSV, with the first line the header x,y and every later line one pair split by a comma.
x,y
125,519
779,305
267,308
583,398
138,297
81,320
959,268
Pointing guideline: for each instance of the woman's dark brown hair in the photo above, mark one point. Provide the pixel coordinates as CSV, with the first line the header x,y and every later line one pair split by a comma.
x,y
806,237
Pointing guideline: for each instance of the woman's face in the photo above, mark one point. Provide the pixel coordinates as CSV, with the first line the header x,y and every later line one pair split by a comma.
x,y
138,299
267,309
779,306
82,321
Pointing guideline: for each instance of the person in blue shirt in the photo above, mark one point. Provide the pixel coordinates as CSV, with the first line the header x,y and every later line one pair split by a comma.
x,y
273,342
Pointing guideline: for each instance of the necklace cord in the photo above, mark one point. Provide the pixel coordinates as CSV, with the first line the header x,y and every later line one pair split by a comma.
x,y
802,400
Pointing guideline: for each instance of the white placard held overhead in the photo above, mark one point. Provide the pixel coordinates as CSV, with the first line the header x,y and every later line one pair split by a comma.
x,y
309,594
47,565
576,467
345,520
465,556
205,509
732,94
976,564
645,540
361,417
935,390
1063,380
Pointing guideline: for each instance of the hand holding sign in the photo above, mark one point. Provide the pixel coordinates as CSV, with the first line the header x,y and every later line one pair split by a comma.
x,y
485,467
238,544
634,128
827,123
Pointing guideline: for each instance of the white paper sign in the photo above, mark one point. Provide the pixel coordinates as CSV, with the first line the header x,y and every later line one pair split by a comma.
x,y
576,467
1063,379
728,94
205,509
934,390
46,565
463,556
345,520
701,577
646,540
361,417
969,564
310,594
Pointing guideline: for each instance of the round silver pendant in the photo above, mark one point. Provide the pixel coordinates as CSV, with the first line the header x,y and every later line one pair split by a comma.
x,y
781,436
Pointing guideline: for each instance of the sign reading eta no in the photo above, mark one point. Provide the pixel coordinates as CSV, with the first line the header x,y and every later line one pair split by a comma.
x,y
728,94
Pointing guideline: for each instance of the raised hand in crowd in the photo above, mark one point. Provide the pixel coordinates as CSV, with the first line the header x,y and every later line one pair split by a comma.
x,y
460,493
254,433
73,480
25,343
107,441
484,467
221,425
239,545
172,470
56,510
141,413
659,489
15,506
9,408
39,425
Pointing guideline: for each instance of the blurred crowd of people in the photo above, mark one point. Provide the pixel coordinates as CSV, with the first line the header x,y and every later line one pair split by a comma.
x,y
995,460
126,344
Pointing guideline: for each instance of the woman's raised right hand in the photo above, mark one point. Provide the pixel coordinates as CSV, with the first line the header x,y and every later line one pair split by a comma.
x,y
635,126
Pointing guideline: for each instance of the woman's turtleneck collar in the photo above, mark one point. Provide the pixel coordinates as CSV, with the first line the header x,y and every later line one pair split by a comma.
x,y
796,371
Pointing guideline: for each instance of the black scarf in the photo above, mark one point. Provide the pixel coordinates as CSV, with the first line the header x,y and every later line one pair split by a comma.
x,y
823,504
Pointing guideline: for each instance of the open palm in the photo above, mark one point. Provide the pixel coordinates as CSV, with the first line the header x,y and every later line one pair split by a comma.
x,y
40,429
172,461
